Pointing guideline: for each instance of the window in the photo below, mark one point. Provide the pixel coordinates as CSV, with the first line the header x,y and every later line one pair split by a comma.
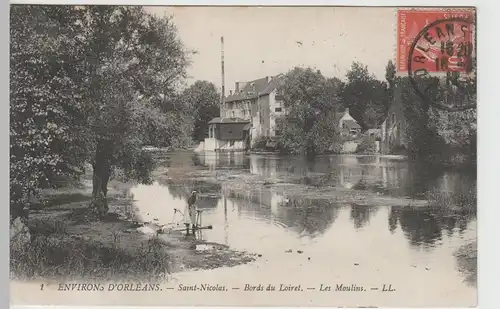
x,y
277,109
277,132
232,114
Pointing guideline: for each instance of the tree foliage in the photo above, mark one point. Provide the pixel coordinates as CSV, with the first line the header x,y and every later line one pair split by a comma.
x,y
390,77
204,100
46,107
434,133
422,138
366,97
90,84
367,145
312,103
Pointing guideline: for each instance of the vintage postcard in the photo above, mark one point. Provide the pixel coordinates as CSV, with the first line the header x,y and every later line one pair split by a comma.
x,y
243,156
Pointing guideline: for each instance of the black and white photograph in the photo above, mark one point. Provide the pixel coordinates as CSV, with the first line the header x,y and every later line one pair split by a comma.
x,y
243,156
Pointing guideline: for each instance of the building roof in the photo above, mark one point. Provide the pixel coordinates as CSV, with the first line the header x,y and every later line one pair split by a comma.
x,y
351,124
251,89
228,120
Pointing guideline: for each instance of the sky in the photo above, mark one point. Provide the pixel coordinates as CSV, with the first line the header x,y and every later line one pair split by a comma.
x,y
265,41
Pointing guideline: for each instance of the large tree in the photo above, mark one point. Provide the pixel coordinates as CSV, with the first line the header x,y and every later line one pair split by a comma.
x,y
204,100
366,97
312,103
86,82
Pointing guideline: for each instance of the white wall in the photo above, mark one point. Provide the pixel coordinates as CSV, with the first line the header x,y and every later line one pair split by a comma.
x,y
273,104
349,147
383,130
240,109
272,113
212,144
226,145
200,147
256,126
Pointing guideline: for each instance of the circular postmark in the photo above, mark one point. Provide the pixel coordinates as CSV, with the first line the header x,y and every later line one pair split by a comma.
x,y
443,47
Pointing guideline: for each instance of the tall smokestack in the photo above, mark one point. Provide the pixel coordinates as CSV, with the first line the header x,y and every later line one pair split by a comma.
x,y
223,90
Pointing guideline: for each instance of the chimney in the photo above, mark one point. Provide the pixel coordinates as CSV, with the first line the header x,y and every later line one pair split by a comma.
x,y
346,111
236,87
223,88
268,78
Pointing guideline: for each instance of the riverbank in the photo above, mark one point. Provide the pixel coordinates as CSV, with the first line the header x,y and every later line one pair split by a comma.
x,y
467,261
67,242
382,156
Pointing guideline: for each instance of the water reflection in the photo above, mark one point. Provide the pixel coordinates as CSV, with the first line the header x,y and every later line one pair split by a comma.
x,y
360,215
424,227
220,160
393,177
265,219
453,191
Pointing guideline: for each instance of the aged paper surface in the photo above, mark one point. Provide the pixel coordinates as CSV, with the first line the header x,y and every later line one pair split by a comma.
x,y
243,156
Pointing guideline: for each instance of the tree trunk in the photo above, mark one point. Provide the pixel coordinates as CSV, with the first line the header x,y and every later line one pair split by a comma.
x,y
19,203
101,174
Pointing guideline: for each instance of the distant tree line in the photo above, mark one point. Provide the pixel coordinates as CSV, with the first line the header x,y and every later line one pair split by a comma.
x,y
315,104
438,128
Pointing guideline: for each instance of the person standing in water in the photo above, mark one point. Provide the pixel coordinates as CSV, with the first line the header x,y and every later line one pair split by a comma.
x,y
190,212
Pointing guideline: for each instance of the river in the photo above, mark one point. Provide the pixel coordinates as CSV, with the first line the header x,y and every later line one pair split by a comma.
x,y
322,242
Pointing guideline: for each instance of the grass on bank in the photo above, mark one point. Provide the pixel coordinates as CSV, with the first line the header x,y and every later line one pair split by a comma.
x,y
67,242
467,262
54,253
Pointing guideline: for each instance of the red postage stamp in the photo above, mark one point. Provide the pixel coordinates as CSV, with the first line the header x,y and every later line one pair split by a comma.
x,y
435,40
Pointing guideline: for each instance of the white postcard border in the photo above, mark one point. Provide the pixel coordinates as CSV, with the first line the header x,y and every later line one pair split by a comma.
x,y
489,111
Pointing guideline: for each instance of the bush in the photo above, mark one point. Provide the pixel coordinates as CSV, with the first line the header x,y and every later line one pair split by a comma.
x,y
335,148
399,150
260,143
367,145
291,141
